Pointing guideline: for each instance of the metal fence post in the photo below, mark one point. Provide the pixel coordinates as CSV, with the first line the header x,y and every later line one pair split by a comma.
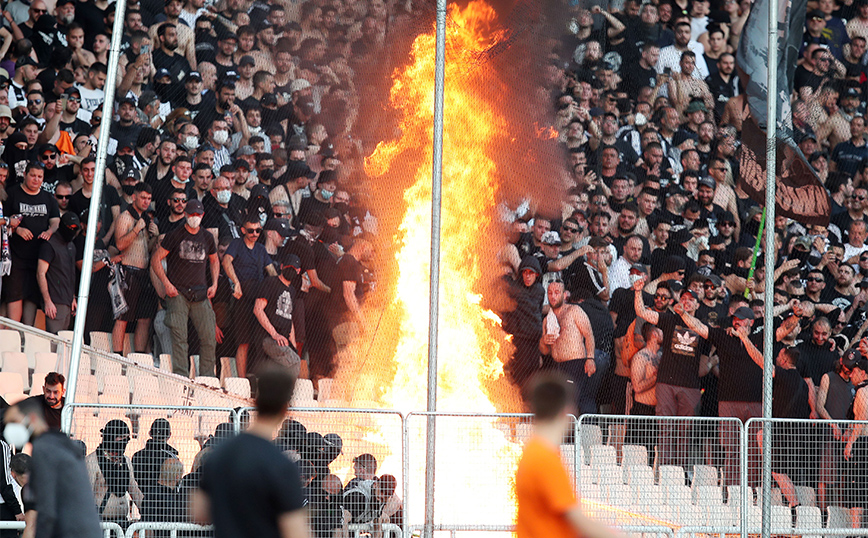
x,y
743,519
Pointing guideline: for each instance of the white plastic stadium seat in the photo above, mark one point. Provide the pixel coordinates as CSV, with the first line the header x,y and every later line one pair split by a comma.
x,y
324,389
708,496
808,517
166,362
303,394
228,368
11,382
37,384
603,455
634,455
704,475
103,368
777,499
806,496
141,358
619,495
591,435
240,386
608,474
839,518
13,398
116,385
208,381
45,361
782,518
146,391
640,475
16,362
678,495
10,340
733,495
719,515
101,341
671,475
33,344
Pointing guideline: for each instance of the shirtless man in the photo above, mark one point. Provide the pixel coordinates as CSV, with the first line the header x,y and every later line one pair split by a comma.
x,y
643,376
573,344
136,232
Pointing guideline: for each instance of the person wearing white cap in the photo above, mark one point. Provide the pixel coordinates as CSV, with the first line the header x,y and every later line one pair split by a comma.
x,y
5,121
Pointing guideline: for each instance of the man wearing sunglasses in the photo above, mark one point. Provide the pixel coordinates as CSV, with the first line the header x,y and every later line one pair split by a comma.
x,y
69,120
246,263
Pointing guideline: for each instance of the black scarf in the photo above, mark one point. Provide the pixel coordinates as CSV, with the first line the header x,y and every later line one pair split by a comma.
x,y
117,475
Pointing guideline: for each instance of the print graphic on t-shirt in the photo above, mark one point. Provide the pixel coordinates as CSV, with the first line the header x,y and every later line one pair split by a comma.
x,y
192,251
36,210
684,341
284,306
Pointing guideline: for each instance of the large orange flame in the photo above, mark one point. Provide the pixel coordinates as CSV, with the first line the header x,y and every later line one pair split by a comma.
x,y
388,365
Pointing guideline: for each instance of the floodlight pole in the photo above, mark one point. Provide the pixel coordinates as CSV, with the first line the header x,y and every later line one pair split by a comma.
x,y
768,333
434,280
93,214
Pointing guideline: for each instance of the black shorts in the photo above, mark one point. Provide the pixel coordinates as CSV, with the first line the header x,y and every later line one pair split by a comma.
x,y
21,283
140,295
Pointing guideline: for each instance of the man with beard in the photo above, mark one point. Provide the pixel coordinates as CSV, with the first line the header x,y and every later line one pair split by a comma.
x,y
817,357
69,120
704,142
671,56
165,58
177,202
841,295
182,169
624,228
160,168
619,272
220,109
51,400
855,211
723,244
186,39
5,121
723,85
92,93
54,173
126,130
572,347
193,100
705,196
642,73
110,203
227,44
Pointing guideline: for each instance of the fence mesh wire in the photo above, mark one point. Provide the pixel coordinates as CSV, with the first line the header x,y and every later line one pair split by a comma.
x,y
659,471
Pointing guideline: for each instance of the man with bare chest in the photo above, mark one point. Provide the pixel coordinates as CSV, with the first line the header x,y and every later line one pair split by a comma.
x,y
570,344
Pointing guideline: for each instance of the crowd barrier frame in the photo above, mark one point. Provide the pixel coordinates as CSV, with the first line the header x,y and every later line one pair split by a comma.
x,y
108,528
579,428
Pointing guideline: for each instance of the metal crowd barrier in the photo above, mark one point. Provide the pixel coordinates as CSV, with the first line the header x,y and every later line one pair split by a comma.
x,y
646,475
172,528
109,529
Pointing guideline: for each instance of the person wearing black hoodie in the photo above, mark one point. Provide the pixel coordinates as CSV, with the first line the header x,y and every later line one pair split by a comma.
x,y
148,461
524,323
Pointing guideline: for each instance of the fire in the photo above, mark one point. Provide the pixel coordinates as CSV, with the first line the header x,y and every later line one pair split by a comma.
x,y
476,457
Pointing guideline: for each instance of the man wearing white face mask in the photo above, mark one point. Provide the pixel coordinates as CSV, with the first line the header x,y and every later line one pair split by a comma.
x,y
190,253
58,477
218,138
223,211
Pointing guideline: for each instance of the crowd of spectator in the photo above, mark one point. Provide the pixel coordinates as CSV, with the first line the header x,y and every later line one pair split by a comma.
x,y
227,204
641,286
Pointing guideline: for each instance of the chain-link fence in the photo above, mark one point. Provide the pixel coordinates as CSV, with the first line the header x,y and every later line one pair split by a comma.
x,y
648,470
819,472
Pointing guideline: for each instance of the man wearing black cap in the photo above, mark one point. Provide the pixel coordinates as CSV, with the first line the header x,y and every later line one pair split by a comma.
x,y
191,254
274,309
678,391
711,310
55,274
126,130
740,388
227,44
25,71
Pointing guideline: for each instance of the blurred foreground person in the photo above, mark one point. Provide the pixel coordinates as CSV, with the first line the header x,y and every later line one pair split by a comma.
x,y
248,487
58,475
547,505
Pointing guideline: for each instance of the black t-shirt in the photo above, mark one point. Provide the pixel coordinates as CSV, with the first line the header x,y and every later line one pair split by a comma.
x,y
281,300
110,198
814,360
37,210
301,247
250,484
76,127
167,225
789,394
226,220
55,175
187,263
60,256
349,270
52,415
741,379
713,317
679,364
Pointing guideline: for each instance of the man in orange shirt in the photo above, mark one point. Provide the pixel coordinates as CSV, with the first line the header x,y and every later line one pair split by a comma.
x,y
547,504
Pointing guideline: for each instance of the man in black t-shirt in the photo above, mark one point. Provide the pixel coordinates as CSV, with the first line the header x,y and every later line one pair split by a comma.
x,y
274,306
678,391
55,274
740,389
34,216
262,497
190,252
51,399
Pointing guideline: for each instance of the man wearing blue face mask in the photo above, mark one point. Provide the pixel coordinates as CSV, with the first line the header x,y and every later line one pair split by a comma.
x,y
58,476
321,199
